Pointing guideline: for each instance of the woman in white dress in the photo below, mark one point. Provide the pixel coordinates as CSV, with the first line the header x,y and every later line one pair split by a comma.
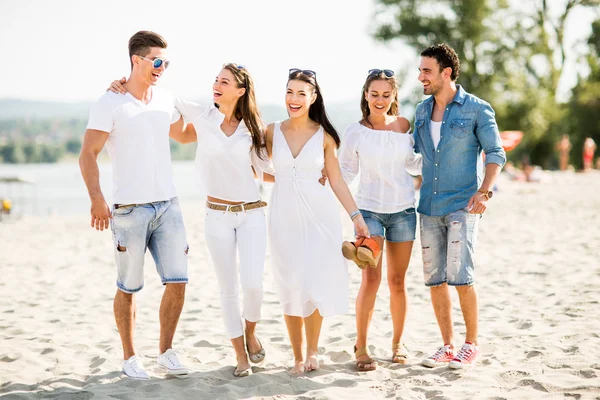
x,y
381,147
304,226
230,143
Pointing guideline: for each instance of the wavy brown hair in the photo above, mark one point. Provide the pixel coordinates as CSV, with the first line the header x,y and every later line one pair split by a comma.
x,y
246,108
446,58
364,104
317,112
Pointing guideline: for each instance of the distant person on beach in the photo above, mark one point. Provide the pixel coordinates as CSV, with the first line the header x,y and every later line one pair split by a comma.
x,y
589,149
145,211
452,127
305,230
564,148
380,147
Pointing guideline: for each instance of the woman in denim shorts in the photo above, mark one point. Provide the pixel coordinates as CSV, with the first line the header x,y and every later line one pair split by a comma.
x,y
381,147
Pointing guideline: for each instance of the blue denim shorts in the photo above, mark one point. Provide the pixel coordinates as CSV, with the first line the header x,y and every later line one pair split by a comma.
x,y
157,226
448,245
397,227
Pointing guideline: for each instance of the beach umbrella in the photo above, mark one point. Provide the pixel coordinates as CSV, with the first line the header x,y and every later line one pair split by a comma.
x,y
510,139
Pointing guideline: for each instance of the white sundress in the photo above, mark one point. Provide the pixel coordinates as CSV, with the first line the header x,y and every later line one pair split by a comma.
x,y
306,232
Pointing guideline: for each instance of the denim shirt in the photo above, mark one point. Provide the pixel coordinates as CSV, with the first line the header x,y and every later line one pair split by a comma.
x,y
453,172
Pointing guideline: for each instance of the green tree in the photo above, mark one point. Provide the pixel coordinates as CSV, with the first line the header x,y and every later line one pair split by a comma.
x,y
12,153
511,55
73,146
32,153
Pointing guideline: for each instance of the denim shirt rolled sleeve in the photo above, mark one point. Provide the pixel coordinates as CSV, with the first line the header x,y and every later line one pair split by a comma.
x,y
489,137
453,171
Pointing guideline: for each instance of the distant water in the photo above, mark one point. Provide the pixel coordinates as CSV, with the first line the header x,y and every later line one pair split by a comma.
x,y
59,188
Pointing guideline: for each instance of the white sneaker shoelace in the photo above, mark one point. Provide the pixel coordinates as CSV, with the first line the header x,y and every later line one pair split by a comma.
x,y
170,361
441,352
133,368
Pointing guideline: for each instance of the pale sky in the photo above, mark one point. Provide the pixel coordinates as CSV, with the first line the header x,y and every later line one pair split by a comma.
x,y
71,49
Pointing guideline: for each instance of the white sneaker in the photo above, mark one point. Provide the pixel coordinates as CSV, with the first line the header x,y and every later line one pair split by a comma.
x,y
169,361
134,369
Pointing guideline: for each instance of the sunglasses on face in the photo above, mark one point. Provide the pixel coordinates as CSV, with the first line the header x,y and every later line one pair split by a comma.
x,y
157,62
387,72
307,72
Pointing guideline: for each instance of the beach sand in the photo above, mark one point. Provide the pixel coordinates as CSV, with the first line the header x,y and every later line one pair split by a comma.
x,y
538,278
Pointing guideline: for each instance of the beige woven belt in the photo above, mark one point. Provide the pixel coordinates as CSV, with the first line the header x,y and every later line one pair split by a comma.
x,y
236,208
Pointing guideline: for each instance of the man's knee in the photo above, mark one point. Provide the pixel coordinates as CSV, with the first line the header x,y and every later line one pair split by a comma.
x,y
177,289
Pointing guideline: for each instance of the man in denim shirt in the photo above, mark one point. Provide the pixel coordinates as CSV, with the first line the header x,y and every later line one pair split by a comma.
x,y
452,127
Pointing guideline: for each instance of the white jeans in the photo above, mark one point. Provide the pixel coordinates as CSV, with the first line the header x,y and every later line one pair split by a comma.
x,y
247,232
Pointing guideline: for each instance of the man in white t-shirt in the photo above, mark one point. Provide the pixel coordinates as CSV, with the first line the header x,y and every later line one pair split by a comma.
x,y
145,211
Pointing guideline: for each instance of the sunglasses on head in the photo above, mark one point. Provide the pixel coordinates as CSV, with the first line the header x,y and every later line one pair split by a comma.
x,y
157,62
307,72
387,72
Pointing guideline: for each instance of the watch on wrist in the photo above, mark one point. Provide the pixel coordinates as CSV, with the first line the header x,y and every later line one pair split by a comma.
x,y
487,193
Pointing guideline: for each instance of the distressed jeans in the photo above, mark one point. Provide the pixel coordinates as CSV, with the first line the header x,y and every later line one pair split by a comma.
x,y
448,246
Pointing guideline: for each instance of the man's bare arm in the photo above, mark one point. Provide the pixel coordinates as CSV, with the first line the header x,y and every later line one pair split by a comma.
x,y
93,142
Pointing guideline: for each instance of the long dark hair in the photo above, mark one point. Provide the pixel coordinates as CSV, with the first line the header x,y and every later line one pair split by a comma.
x,y
246,108
364,104
317,112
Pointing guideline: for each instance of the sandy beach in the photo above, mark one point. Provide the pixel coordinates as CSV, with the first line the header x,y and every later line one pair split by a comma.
x,y
538,277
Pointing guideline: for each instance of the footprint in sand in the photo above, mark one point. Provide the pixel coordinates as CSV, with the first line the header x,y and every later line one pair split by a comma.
x,y
339,356
10,358
97,361
533,353
513,376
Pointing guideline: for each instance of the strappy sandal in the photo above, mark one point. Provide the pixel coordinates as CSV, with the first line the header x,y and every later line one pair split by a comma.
x,y
259,357
361,365
349,250
399,354
369,251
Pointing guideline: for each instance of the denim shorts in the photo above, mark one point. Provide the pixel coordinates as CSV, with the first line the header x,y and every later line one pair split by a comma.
x,y
448,245
397,227
157,226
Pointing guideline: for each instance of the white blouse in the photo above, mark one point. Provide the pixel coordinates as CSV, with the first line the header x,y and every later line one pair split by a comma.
x,y
223,162
386,160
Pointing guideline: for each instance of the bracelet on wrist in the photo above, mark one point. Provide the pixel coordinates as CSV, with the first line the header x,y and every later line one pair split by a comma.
x,y
355,214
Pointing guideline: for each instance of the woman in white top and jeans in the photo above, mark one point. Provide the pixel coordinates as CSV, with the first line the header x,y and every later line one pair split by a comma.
x,y
381,146
230,143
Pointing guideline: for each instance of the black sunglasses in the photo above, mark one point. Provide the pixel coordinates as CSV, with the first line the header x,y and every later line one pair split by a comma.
x,y
307,72
387,72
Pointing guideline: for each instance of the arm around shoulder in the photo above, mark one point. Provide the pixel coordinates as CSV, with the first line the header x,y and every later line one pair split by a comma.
x,y
269,130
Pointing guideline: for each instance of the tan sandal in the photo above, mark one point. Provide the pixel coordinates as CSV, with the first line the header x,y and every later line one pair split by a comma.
x,y
259,357
369,251
399,354
349,250
361,365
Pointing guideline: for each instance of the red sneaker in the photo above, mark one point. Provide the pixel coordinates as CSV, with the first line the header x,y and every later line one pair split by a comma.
x,y
441,357
465,357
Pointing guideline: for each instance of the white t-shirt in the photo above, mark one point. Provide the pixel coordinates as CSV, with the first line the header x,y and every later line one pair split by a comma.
x,y
223,162
436,133
386,160
138,144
